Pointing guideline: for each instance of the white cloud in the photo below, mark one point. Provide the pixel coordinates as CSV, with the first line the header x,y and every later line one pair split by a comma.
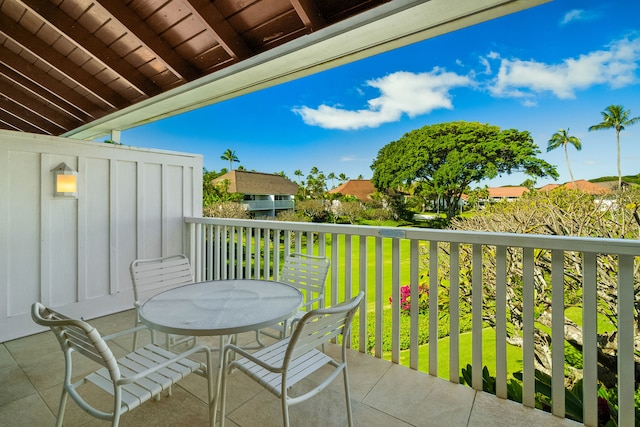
x,y
401,93
578,15
486,64
616,67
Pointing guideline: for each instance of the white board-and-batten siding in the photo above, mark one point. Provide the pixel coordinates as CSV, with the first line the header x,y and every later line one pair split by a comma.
x,y
74,253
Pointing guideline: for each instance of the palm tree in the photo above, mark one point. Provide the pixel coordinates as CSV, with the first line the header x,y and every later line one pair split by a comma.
x,y
332,176
562,139
230,156
616,117
343,177
299,174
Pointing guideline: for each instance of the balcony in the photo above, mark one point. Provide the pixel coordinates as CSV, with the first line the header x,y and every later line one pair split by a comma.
x,y
267,205
390,387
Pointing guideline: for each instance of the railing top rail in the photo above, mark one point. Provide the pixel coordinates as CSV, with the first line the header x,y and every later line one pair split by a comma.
x,y
536,241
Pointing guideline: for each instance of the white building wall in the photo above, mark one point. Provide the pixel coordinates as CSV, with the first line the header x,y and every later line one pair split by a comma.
x,y
74,254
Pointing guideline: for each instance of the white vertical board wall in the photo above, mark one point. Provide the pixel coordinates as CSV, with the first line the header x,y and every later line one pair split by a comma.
x,y
74,254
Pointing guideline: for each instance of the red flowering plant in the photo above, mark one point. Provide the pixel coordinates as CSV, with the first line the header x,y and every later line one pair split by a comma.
x,y
405,298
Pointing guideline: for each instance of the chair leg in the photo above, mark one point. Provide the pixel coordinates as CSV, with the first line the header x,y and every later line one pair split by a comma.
x,y
347,396
62,406
285,410
221,392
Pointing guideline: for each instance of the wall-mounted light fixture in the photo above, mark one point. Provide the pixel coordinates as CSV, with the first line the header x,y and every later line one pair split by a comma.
x,y
65,181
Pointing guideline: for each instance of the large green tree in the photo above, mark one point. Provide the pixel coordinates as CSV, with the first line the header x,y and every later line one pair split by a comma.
x,y
616,117
450,156
562,139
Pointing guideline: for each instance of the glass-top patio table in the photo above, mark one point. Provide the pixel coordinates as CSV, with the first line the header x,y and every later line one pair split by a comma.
x,y
222,308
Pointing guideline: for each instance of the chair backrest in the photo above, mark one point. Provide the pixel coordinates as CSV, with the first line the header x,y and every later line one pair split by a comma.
x,y
76,335
149,276
307,273
320,326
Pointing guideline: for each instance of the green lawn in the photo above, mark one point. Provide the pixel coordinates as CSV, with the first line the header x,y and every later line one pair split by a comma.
x,y
514,354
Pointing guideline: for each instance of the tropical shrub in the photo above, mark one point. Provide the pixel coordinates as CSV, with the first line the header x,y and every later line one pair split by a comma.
x,y
405,299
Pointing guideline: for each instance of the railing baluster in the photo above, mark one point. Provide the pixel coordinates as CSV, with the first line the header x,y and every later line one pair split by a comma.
x,y
239,252
276,254
348,268
216,252
433,308
232,253
557,332
476,317
395,306
335,267
528,349
590,340
199,254
248,245
454,313
224,259
257,237
266,273
362,286
626,361
501,321
379,296
414,259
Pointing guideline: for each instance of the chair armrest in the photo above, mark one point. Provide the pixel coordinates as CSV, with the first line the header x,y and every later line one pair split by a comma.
x,y
251,357
313,301
184,355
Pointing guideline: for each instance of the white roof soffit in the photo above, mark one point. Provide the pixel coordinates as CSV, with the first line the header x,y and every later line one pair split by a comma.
x,y
390,26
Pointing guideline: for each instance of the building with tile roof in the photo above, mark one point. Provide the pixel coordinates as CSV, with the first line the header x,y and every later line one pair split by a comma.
x,y
264,193
579,184
360,188
510,193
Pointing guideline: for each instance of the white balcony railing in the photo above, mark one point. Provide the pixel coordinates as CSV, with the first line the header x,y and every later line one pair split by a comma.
x,y
263,205
370,258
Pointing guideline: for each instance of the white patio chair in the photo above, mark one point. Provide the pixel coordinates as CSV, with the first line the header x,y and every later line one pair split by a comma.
x,y
286,362
130,380
154,275
309,274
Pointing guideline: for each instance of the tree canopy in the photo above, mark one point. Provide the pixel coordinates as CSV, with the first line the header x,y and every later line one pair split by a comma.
x,y
448,157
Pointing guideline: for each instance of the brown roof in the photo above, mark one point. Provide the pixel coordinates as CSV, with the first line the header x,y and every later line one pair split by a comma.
x,y
506,192
549,187
360,188
586,186
580,184
246,182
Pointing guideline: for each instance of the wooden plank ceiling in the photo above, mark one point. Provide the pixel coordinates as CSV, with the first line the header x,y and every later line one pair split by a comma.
x,y
66,63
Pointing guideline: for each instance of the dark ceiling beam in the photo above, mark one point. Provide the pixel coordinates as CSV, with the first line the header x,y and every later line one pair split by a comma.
x,y
309,14
91,45
42,85
36,47
209,15
22,123
182,69
6,125
13,91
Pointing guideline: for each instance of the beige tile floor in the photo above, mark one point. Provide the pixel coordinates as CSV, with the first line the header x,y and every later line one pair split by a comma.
x,y
383,394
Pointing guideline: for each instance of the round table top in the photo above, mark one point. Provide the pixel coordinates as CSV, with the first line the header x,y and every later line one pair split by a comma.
x,y
220,307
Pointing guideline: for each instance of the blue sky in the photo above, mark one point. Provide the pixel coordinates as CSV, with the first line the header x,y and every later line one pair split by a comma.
x,y
554,66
